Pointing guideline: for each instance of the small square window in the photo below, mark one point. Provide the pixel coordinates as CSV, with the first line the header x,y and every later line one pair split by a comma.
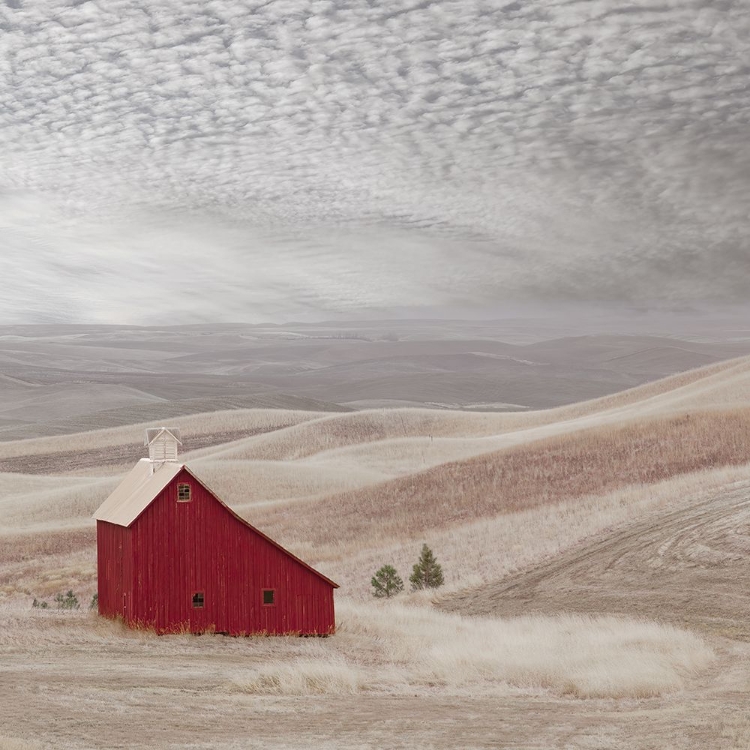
x,y
269,596
198,600
183,493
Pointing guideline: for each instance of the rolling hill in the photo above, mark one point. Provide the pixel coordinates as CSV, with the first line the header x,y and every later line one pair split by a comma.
x,y
632,505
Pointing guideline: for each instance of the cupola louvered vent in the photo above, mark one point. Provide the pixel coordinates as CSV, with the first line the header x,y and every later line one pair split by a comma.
x,y
163,443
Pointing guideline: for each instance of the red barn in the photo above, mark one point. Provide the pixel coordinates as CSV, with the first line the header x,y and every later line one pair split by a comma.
x,y
173,557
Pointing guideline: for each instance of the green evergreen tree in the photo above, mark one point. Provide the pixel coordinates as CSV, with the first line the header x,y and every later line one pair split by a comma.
x,y
427,573
386,582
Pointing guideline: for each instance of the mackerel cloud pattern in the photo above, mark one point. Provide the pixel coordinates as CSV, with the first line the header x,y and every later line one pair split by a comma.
x,y
282,158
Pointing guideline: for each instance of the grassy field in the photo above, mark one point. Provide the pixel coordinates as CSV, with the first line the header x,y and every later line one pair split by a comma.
x,y
515,507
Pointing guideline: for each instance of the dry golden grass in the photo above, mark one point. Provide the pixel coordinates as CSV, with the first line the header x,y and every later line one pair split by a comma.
x,y
56,502
231,421
390,648
492,549
36,545
591,462
341,430
396,648
296,434
11,743
726,383
732,729
249,483
402,442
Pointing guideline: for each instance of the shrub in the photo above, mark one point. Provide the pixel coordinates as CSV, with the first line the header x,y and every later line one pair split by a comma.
x,y
386,582
69,601
427,573
94,602
39,604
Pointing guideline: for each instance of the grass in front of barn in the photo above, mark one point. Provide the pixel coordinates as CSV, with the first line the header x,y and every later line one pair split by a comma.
x,y
392,647
381,647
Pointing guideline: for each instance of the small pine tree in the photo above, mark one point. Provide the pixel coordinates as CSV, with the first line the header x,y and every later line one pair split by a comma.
x,y
94,602
427,573
386,582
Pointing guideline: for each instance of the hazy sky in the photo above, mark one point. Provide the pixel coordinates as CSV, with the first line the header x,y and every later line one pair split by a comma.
x,y
197,160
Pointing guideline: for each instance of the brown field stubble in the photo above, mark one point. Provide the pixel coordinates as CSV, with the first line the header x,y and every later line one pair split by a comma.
x,y
590,462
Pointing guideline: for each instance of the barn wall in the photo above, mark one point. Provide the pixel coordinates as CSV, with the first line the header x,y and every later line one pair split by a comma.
x,y
181,548
114,569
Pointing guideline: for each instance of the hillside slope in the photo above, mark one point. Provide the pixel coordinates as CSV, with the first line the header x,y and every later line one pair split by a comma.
x,y
578,519
356,486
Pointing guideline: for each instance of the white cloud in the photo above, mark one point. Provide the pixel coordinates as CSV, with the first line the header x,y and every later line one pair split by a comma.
x,y
319,156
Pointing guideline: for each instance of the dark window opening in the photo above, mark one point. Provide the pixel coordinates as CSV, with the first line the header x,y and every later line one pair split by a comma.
x,y
268,596
183,493
198,600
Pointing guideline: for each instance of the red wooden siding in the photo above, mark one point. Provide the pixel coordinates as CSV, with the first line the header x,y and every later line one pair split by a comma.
x,y
115,569
179,549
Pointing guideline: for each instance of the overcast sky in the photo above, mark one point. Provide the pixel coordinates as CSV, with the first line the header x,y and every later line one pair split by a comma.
x,y
194,160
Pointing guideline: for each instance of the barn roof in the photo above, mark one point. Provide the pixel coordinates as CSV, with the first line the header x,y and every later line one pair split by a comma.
x,y
142,486
135,493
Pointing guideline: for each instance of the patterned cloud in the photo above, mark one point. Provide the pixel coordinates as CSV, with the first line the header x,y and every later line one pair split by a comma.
x,y
255,159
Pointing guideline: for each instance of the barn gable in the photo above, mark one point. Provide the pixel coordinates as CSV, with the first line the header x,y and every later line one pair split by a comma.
x,y
145,483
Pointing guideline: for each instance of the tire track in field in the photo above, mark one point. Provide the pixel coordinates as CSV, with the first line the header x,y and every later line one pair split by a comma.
x,y
689,567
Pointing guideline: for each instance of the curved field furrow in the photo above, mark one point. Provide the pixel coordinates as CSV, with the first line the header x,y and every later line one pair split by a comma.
x,y
689,567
